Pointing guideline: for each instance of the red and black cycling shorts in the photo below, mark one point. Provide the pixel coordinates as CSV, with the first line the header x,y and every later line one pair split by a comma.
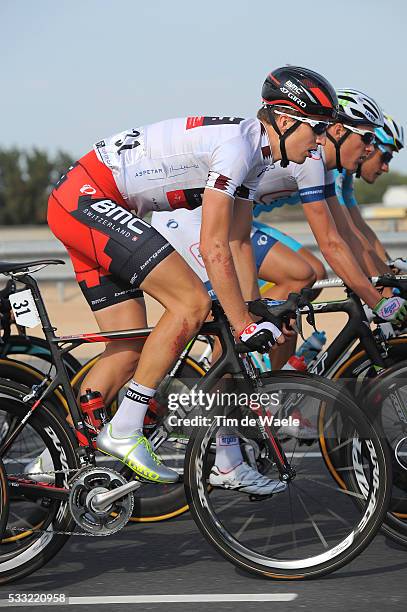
x,y
112,250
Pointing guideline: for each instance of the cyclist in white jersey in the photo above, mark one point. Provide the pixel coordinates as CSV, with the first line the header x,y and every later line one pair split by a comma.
x,y
213,162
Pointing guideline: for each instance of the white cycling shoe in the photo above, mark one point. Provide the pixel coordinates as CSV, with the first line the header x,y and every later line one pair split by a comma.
x,y
245,479
39,465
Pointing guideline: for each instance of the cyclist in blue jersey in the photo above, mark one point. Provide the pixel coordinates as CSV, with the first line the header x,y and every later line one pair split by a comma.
x,y
389,140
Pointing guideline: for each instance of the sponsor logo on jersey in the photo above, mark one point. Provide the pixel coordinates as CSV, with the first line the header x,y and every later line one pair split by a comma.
x,y
193,122
262,240
172,224
149,171
250,329
88,189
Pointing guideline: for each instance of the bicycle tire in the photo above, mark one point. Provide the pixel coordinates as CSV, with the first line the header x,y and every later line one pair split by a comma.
x,y
33,346
213,528
21,556
4,500
385,393
395,523
28,376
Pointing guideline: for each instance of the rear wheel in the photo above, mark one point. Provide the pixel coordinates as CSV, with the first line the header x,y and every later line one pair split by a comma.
x,y
29,540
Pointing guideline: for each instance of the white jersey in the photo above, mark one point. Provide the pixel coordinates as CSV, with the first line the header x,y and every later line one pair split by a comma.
x,y
295,184
167,165
278,186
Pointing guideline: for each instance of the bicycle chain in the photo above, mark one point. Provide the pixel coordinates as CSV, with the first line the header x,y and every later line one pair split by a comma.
x,y
41,531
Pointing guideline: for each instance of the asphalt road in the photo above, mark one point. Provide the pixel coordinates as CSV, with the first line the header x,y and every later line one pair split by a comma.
x,y
172,558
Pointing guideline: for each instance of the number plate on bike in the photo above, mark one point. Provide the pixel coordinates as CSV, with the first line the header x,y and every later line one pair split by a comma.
x,y
24,308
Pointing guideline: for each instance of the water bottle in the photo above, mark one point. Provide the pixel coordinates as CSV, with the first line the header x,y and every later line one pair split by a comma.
x,y
154,412
311,347
93,408
296,363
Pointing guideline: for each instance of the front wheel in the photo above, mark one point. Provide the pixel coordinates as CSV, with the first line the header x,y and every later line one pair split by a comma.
x,y
314,527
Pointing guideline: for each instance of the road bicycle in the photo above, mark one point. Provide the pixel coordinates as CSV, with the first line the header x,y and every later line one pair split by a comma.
x,y
311,528
374,370
340,361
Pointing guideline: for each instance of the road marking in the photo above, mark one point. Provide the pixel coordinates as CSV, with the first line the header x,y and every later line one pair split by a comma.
x,y
146,599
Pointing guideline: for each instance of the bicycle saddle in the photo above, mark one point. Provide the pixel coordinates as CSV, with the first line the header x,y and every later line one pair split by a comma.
x,y
7,266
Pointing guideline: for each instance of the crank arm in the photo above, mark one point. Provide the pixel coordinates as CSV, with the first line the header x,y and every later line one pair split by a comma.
x,y
102,501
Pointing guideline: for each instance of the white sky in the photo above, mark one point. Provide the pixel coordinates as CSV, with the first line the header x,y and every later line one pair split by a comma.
x,y
74,71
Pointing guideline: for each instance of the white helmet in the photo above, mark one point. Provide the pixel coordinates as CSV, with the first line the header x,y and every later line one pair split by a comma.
x,y
356,108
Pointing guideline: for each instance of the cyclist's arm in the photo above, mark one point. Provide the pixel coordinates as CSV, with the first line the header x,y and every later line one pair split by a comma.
x,y
369,234
242,250
217,217
337,253
365,255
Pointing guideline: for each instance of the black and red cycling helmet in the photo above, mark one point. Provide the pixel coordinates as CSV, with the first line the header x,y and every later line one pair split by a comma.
x,y
300,89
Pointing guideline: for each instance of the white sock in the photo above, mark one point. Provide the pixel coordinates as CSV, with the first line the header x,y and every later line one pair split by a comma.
x,y
228,453
130,415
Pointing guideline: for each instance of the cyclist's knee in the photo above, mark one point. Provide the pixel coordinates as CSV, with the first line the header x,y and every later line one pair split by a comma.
x,y
319,270
195,308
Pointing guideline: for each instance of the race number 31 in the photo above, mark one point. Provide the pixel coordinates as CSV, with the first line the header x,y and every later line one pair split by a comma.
x,y
24,308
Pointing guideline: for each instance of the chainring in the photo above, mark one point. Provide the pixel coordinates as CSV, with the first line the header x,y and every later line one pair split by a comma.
x,y
89,483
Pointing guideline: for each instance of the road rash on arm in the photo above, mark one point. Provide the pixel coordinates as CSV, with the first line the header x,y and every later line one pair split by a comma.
x,y
242,250
217,218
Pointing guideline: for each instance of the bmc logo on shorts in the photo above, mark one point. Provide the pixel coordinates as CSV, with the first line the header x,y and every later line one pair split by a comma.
x,y
118,213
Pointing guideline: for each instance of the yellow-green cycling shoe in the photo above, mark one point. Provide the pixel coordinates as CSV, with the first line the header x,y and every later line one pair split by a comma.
x,y
137,454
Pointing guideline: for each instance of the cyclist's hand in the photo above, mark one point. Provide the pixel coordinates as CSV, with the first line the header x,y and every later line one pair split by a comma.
x,y
261,336
392,309
399,264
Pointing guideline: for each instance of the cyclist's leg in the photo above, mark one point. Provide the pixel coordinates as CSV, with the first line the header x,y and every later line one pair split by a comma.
x,y
119,360
316,264
288,270
109,241
281,264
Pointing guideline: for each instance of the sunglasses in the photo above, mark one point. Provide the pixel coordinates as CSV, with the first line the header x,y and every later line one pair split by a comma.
x,y
387,156
318,127
367,137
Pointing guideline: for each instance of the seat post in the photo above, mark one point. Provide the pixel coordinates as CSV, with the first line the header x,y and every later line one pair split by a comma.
x,y
47,327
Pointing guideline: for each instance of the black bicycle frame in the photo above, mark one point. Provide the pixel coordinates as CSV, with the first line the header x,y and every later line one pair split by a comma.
x,y
356,328
230,362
